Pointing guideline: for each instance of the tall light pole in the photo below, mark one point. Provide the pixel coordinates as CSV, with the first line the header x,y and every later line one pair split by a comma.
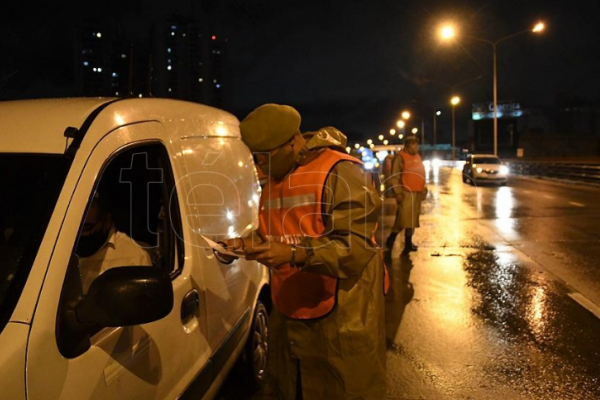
x,y
454,102
448,32
436,114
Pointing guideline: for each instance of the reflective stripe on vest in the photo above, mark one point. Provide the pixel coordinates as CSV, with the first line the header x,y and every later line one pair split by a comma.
x,y
290,210
413,174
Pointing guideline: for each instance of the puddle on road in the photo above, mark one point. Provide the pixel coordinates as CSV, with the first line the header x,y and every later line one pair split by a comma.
x,y
551,350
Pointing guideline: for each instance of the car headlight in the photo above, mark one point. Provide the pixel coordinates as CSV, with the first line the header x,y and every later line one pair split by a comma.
x,y
503,170
479,170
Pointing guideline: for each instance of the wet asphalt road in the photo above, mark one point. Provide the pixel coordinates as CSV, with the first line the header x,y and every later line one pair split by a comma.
x,y
486,308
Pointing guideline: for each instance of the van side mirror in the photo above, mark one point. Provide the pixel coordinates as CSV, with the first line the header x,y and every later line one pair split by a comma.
x,y
120,296
124,296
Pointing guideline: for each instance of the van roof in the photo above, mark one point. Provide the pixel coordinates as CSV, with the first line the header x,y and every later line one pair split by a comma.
x,y
38,126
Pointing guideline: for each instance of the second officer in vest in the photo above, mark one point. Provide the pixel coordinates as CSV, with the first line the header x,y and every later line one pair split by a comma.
x,y
408,182
317,219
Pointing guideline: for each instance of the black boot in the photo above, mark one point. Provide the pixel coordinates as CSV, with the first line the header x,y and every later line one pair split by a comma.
x,y
389,243
408,244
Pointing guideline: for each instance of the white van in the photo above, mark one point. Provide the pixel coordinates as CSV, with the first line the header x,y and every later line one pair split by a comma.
x,y
176,173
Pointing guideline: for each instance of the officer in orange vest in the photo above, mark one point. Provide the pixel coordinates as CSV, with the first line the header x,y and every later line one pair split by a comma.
x,y
317,219
408,181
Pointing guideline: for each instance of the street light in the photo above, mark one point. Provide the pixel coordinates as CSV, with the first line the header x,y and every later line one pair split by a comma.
x,y
406,115
448,32
454,101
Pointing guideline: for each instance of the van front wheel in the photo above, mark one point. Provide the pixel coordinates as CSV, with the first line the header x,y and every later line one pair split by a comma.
x,y
252,365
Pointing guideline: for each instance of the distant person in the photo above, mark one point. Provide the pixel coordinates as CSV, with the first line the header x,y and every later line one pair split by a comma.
x,y
101,246
408,181
318,215
327,137
386,172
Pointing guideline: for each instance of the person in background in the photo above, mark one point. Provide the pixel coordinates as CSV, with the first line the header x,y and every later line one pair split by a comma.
x,y
317,141
408,182
101,246
386,171
317,217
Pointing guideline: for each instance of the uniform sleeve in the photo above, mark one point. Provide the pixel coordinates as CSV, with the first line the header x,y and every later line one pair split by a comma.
x,y
352,207
396,177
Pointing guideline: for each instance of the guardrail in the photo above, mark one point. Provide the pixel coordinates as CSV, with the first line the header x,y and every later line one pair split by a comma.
x,y
589,173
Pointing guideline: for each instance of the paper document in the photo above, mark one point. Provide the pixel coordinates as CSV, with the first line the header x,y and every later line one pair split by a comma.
x,y
223,250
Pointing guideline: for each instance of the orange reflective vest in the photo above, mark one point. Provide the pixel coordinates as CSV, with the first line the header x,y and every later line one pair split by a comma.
x,y
413,173
291,210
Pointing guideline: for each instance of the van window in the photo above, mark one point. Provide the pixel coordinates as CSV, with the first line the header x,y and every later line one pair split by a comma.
x,y
29,187
132,216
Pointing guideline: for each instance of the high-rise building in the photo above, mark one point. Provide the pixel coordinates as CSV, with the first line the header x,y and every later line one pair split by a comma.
x,y
178,57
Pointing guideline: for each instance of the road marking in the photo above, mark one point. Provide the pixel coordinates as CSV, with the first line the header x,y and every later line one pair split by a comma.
x,y
586,303
576,204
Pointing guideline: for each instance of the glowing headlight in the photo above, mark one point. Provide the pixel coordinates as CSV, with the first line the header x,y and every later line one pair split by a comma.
x,y
479,169
503,170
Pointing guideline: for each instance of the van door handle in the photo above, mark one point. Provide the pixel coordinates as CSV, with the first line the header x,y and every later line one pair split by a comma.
x,y
189,305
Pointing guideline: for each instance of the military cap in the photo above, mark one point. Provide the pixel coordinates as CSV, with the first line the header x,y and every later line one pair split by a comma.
x,y
270,126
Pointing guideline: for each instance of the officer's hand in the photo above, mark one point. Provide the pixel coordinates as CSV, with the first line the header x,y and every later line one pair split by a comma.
x,y
271,254
235,244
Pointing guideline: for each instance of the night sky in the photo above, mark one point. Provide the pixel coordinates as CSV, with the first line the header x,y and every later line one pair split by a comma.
x,y
353,64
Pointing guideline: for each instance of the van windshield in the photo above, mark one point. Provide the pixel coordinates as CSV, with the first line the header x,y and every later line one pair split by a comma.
x,y
29,187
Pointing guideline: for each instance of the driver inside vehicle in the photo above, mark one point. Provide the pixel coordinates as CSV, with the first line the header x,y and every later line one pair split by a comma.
x,y
101,246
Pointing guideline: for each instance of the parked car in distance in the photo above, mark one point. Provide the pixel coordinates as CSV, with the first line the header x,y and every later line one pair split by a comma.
x,y
482,168
176,176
